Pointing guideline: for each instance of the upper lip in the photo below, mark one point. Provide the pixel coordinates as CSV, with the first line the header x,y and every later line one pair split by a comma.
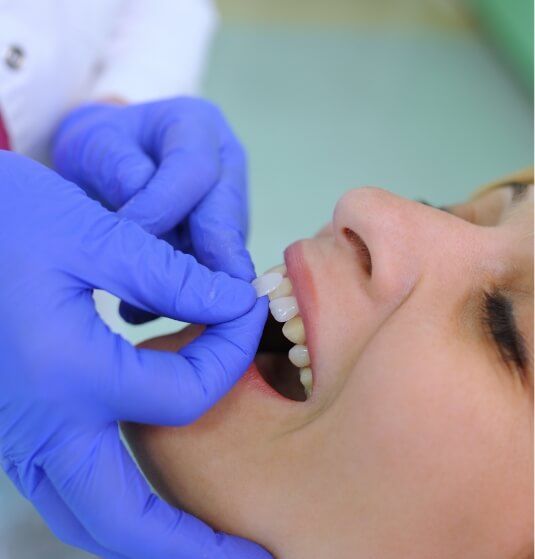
x,y
301,277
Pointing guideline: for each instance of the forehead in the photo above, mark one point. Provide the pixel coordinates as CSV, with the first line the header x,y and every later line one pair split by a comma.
x,y
508,205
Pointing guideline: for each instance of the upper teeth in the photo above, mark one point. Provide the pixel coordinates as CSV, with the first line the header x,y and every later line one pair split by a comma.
x,y
284,308
282,290
305,376
268,283
298,355
294,330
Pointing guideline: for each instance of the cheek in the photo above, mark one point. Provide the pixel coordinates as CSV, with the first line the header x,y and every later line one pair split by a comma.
x,y
430,434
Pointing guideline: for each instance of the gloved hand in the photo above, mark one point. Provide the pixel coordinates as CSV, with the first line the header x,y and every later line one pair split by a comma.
x,y
66,380
174,166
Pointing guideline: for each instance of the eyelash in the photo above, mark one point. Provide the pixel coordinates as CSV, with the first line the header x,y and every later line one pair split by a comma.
x,y
499,319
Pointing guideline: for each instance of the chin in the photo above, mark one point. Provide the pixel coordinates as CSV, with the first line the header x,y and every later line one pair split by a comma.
x,y
206,468
218,467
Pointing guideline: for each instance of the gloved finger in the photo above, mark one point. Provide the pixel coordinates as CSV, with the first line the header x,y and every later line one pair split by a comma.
x,y
179,238
162,388
219,223
110,497
62,522
13,474
118,256
106,161
121,169
188,167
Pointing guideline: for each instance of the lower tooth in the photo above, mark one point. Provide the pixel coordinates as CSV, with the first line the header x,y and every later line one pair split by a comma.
x,y
298,355
305,376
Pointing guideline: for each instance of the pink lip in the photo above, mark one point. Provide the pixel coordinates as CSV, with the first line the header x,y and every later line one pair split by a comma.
x,y
304,290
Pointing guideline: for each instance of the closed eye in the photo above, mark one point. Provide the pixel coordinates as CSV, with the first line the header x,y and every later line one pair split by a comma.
x,y
499,319
498,313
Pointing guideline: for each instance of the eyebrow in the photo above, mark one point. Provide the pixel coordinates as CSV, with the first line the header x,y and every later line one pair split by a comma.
x,y
426,203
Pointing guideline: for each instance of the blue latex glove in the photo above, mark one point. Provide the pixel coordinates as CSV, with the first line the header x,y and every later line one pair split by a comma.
x,y
174,166
65,379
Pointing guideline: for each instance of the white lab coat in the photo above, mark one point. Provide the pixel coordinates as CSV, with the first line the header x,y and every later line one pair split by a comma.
x,y
55,54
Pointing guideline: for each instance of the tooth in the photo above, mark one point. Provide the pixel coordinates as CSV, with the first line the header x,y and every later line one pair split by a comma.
x,y
305,376
267,283
283,290
298,355
294,330
280,269
284,308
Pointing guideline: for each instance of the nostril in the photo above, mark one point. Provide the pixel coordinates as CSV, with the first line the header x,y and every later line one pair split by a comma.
x,y
364,256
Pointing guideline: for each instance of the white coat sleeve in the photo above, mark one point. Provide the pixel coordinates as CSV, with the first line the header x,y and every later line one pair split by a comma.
x,y
157,49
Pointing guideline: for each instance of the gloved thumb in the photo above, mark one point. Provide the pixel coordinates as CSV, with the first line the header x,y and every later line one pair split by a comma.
x,y
117,255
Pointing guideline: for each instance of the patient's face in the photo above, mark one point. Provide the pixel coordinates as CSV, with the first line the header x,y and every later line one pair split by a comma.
x,y
417,439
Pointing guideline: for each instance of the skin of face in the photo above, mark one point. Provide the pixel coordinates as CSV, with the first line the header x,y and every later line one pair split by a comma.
x,y
417,441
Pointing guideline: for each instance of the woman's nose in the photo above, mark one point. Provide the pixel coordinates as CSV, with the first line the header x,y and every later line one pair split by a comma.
x,y
401,236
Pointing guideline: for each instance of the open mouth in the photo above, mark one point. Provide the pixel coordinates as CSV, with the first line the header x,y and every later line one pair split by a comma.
x,y
283,359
